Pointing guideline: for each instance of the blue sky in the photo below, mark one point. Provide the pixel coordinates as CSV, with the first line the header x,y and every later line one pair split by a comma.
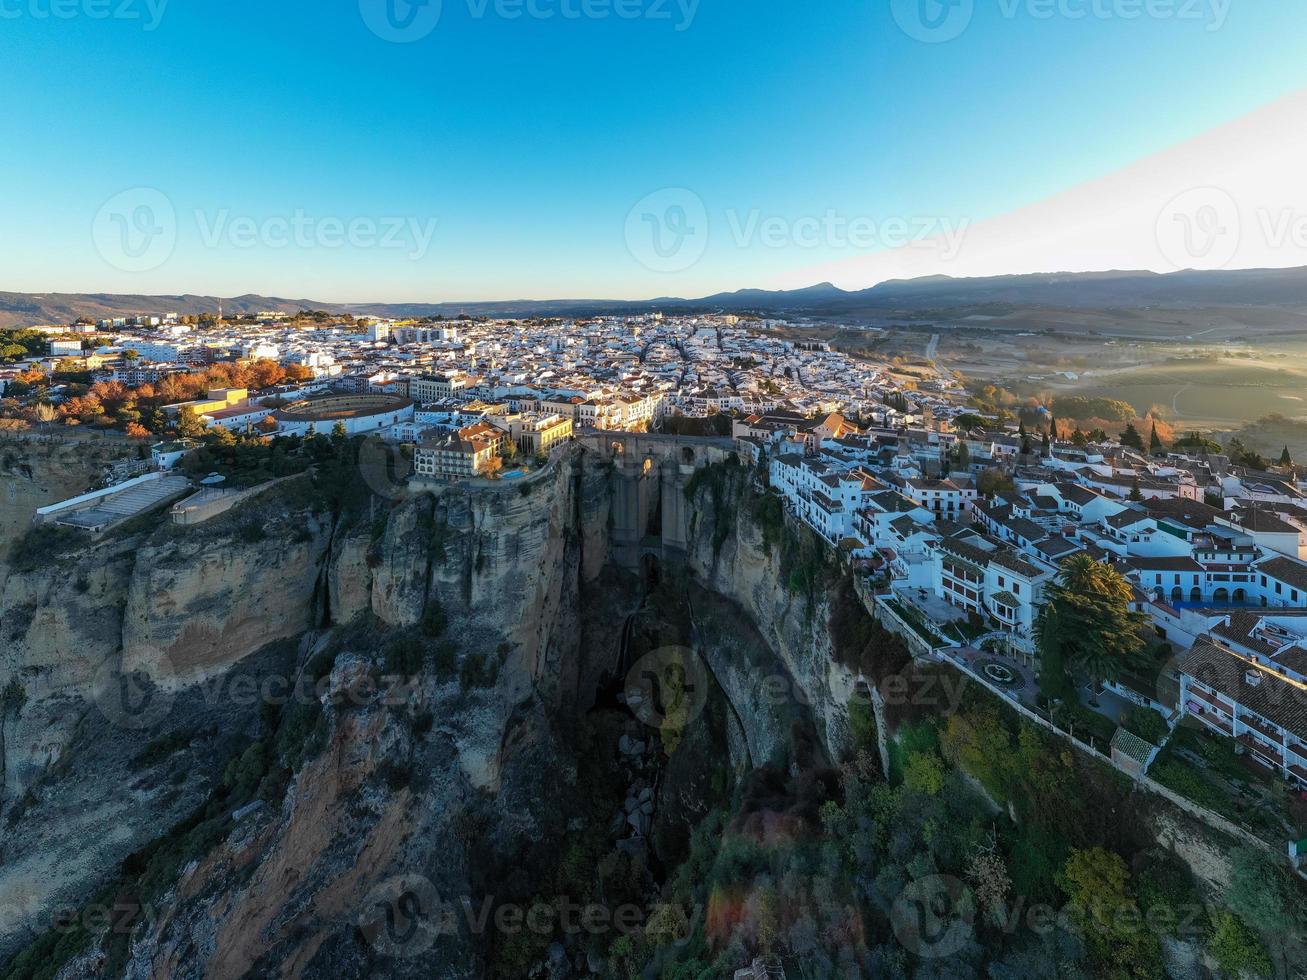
x,y
528,140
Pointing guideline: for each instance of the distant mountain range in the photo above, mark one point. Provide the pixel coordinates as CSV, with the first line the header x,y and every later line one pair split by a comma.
x,y
910,299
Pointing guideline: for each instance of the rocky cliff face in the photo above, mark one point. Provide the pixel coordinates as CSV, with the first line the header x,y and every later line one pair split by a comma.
x,y
178,613
148,659
783,660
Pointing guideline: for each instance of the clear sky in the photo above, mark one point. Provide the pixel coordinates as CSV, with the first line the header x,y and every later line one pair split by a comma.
x,y
196,146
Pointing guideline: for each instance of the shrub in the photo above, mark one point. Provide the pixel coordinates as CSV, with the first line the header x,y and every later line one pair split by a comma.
x,y
434,621
477,671
1237,948
42,544
444,661
404,656
1147,724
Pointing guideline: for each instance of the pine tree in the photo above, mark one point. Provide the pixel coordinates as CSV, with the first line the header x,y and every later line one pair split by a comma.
x,y
1154,441
1131,437
1285,458
1087,626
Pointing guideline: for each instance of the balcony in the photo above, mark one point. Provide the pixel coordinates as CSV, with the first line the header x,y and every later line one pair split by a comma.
x,y
1267,732
1212,701
1212,721
1262,752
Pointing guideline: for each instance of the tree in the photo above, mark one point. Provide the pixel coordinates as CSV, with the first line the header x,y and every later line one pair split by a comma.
x,y
1078,438
1263,895
1052,426
1046,446
924,773
1136,494
1131,438
1087,626
1285,458
1096,882
491,468
963,456
189,425
1097,885
1237,949
1155,441
131,355
994,480
988,874
338,432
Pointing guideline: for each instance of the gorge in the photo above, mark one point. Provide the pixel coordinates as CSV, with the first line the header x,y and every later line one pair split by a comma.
x,y
352,728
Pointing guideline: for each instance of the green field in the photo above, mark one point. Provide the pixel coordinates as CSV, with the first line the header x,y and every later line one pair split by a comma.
x,y
1220,392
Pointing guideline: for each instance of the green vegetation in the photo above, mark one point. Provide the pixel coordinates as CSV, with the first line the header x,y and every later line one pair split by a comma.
x,y
1147,724
1238,950
1082,407
1241,455
1087,628
42,544
247,460
161,749
808,868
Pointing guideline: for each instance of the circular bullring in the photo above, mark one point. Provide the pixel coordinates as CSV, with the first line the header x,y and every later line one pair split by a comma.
x,y
358,413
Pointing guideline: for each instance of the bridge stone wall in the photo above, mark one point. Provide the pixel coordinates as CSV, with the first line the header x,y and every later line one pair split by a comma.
x,y
650,473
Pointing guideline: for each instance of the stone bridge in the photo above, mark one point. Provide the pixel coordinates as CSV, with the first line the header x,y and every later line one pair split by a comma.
x,y
651,521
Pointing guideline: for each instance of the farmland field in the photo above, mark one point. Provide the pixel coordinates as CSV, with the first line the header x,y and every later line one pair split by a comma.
x,y
1217,392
